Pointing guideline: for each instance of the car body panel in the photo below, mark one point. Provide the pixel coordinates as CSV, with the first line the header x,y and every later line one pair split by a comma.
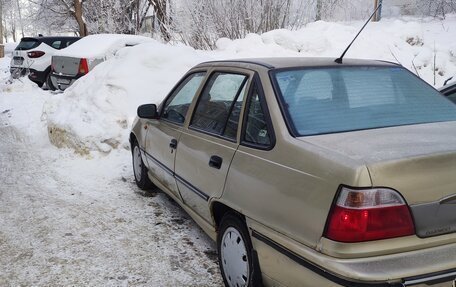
x,y
414,172
66,70
291,259
160,157
286,191
192,167
194,152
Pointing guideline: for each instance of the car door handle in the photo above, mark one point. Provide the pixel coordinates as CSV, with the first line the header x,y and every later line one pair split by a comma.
x,y
215,162
173,144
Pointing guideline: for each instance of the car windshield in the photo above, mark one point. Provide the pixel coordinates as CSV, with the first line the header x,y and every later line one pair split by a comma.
x,y
330,100
27,44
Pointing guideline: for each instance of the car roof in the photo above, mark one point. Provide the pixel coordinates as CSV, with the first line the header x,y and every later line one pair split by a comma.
x,y
448,85
294,62
44,38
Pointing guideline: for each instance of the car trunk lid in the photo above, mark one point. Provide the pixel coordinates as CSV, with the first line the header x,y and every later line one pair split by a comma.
x,y
419,161
66,65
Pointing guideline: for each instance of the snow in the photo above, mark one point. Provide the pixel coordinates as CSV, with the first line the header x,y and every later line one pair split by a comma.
x,y
96,113
101,45
112,92
9,47
73,216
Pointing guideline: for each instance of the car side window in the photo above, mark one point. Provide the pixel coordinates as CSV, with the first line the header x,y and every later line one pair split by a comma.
x,y
452,96
176,106
219,105
56,44
256,125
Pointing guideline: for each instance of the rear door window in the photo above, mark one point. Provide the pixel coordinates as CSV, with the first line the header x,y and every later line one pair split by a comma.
x,y
27,44
56,44
257,131
219,105
452,95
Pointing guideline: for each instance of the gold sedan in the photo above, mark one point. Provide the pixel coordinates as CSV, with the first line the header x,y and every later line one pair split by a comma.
x,y
309,172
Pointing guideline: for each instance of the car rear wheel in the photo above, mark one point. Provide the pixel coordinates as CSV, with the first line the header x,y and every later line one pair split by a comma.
x,y
235,253
49,82
139,169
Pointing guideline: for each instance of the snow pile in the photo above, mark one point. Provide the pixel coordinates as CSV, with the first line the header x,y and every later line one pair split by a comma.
x,y
409,42
21,106
9,47
101,45
97,112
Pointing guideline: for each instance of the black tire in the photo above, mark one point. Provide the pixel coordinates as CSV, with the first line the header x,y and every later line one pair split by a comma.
x,y
229,223
49,84
139,169
40,84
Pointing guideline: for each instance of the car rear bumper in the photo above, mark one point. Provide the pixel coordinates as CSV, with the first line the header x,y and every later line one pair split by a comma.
x,y
288,263
62,82
17,72
37,76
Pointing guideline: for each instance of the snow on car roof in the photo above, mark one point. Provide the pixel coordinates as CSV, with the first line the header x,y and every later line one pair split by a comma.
x,y
100,45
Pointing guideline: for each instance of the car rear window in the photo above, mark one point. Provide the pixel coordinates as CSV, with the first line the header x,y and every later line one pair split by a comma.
x,y
27,44
330,100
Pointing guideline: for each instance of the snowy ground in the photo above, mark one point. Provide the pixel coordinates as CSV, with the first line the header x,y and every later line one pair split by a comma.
x,y
71,220
72,216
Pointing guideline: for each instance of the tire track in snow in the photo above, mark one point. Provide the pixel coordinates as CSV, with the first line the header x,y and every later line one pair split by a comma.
x,y
58,229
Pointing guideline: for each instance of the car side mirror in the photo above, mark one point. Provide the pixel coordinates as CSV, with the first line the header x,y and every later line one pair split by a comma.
x,y
148,111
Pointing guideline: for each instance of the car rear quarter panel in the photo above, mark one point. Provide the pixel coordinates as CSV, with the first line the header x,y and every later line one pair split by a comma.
x,y
291,187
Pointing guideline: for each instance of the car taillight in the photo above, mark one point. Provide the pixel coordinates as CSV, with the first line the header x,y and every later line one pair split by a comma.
x,y
83,67
35,54
368,214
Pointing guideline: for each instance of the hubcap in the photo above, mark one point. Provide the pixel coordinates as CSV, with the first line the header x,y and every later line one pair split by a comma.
x,y
137,163
234,258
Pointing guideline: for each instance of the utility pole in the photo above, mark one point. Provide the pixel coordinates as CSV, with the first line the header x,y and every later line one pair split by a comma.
x,y
1,21
2,48
378,15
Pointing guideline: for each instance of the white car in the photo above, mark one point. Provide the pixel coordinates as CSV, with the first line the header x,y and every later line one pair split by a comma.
x,y
33,57
76,61
449,89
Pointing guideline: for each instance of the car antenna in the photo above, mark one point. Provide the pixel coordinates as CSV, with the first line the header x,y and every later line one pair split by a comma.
x,y
339,60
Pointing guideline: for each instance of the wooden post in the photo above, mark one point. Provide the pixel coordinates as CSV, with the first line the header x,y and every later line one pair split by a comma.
x,y
1,21
376,14
2,47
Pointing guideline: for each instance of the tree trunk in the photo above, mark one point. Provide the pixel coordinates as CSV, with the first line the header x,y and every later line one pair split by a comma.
x,y
79,18
319,10
20,19
162,17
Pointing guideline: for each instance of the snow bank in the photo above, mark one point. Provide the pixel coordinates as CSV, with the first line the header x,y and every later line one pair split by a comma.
x,y
97,112
410,41
21,106
98,46
9,47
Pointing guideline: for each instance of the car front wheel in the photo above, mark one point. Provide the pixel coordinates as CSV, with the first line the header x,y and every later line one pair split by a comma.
x,y
235,253
139,169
